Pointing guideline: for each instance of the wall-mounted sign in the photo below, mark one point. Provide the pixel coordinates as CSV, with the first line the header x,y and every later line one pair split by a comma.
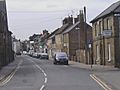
x,y
107,33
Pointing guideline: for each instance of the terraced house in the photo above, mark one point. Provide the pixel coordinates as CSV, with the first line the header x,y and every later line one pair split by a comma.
x,y
55,39
74,39
6,51
106,36
70,38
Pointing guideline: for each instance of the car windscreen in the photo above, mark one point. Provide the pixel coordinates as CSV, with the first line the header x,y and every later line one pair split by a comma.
x,y
61,55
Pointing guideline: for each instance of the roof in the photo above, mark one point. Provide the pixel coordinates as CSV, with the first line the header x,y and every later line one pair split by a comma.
x,y
73,26
109,10
64,27
53,33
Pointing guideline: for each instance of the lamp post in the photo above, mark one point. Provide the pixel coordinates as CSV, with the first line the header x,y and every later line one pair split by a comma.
x,y
90,53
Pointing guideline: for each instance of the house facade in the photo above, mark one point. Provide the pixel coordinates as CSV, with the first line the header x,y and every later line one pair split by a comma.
x,y
74,40
67,22
51,43
106,36
71,41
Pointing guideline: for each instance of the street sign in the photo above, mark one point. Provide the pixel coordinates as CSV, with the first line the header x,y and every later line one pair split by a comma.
x,y
107,33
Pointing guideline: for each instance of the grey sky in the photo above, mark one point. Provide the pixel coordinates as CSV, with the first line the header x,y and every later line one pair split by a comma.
x,y
27,17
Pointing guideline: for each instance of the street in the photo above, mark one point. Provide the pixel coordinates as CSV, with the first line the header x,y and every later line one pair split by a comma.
x,y
35,74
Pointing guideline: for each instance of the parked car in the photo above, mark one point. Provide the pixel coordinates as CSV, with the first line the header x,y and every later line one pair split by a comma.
x,y
18,53
34,55
44,56
24,52
38,55
60,58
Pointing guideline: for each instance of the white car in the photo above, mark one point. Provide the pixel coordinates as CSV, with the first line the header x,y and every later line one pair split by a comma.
x,y
44,56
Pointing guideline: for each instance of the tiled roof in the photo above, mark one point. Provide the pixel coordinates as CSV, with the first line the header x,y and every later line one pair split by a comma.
x,y
70,28
53,33
62,29
74,25
109,10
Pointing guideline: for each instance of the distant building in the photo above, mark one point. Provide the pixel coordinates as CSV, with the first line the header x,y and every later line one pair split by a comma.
x,y
38,42
35,42
17,46
51,43
106,36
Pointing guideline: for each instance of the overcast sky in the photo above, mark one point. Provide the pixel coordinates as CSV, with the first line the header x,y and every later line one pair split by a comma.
x,y
26,17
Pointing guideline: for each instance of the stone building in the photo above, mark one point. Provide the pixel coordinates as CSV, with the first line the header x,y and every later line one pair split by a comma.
x,y
74,39
51,43
55,39
106,36
67,22
6,52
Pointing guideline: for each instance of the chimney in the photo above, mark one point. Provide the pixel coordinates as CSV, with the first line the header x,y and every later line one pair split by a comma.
x,y
76,19
65,21
68,20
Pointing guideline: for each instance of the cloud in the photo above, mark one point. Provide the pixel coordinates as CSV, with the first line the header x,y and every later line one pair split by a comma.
x,y
48,14
51,5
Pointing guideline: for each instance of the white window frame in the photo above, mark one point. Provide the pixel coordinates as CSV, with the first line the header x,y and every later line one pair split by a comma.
x,y
109,52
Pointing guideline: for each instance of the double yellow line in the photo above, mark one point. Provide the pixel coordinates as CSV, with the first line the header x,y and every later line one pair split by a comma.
x,y
100,82
8,77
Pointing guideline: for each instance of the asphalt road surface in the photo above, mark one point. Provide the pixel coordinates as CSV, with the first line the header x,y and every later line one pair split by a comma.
x,y
36,74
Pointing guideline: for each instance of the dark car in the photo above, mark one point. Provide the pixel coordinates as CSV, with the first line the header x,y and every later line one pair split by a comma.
x,y
60,58
18,53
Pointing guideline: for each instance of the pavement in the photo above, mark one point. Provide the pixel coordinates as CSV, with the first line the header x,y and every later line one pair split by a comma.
x,y
108,74
6,70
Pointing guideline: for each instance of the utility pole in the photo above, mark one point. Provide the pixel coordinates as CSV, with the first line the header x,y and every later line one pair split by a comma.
x,y
85,31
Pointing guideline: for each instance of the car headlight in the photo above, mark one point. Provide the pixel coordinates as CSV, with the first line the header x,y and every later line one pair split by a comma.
x,y
57,59
66,58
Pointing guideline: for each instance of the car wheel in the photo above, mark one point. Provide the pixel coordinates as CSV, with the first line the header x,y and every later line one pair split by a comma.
x,y
54,63
66,63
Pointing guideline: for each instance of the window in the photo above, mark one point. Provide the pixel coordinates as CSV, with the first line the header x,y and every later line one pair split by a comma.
x,y
108,24
95,29
109,52
97,52
53,40
100,27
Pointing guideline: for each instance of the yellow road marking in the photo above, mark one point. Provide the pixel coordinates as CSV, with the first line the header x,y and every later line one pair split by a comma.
x,y
100,82
6,79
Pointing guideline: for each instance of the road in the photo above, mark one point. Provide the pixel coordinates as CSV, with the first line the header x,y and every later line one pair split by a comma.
x,y
36,74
